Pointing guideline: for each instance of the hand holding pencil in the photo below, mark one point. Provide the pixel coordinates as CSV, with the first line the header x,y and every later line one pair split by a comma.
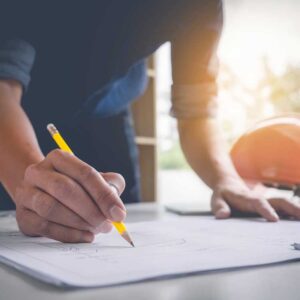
x,y
120,227
65,199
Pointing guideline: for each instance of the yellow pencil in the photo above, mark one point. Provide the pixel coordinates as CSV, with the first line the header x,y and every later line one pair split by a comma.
x,y
121,228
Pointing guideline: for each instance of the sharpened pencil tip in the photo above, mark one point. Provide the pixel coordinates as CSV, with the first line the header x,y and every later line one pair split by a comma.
x,y
126,236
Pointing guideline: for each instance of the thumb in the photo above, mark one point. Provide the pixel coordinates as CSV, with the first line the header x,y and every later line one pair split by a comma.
x,y
219,207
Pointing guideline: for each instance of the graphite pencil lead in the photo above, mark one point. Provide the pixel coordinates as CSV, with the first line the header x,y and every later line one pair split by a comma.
x,y
126,237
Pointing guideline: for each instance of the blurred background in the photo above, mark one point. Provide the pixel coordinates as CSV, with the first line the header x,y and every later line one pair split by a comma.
x,y
259,77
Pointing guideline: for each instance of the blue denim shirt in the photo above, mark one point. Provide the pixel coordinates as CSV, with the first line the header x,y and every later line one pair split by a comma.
x,y
194,43
84,61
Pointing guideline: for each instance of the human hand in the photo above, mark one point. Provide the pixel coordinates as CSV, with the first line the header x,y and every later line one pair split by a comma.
x,y
65,199
233,194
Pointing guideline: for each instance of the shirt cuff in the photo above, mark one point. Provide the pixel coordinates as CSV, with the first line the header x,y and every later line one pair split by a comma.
x,y
16,61
194,101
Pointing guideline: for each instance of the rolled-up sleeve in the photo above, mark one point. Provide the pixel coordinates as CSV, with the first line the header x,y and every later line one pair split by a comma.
x,y
194,101
195,63
16,60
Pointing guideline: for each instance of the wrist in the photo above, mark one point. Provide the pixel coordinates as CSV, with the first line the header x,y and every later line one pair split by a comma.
x,y
11,89
224,178
14,173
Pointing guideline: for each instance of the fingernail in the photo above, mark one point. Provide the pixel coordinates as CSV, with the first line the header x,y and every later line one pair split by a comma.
x,y
87,237
222,213
105,227
275,216
117,214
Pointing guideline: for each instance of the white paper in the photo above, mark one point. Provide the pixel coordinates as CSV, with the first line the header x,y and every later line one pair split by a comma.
x,y
173,247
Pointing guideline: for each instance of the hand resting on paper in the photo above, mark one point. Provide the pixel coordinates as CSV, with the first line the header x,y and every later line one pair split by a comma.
x,y
206,151
233,195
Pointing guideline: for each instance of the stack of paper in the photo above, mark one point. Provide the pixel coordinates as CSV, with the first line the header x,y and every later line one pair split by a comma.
x,y
179,246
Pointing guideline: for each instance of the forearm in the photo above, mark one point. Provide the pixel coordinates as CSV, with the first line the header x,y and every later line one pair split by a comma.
x,y
205,150
18,147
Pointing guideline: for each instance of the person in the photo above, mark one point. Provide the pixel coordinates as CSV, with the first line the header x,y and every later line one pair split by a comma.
x,y
80,65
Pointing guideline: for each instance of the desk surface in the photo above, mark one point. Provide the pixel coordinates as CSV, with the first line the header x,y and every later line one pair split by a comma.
x,y
275,282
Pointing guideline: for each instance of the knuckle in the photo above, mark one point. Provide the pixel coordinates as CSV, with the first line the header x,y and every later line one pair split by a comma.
x,y
30,171
55,154
44,206
121,181
86,172
257,202
251,198
106,196
242,196
44,228
62,187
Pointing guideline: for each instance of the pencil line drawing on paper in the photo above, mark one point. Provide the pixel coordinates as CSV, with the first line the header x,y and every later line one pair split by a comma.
x,y
179,246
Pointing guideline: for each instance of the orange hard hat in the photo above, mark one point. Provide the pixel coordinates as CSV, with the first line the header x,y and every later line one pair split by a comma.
x,y
270,152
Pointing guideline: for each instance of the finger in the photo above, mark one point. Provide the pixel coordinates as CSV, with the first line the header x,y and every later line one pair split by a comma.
x,y
219,207
251,204
263,208
116,180
27,221
52,210
33,225
238,200
291,209
96,186
68,192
